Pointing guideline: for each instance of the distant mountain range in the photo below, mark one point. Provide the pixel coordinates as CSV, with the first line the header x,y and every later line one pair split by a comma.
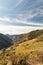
x,y
24,37
7,40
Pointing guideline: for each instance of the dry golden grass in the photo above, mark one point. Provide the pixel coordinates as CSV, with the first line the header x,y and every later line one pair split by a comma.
x,y
28,46
32,49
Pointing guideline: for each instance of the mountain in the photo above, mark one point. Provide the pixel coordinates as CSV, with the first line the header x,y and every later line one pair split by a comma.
x,y
12,36
4,41
35,34
7,40
27,36
28,52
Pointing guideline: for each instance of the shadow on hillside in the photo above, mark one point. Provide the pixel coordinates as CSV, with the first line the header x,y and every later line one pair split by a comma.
x,y
5,41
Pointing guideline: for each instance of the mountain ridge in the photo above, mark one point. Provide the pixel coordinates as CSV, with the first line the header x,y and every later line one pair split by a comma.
x,y
7,40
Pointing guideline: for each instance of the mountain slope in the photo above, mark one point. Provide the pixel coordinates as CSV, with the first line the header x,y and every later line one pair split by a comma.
x,y
29,52
27,36
35,34
4,41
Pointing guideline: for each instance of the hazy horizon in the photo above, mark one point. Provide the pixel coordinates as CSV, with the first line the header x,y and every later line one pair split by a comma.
x,y
20,16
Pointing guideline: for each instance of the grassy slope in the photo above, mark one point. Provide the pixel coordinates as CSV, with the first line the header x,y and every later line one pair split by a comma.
x,y
30,51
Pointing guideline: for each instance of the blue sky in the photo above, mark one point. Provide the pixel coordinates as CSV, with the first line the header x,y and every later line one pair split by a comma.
x,y
20,16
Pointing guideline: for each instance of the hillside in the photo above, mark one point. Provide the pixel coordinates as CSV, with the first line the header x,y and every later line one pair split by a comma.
x,y
29,52
27,36
4,41
35,34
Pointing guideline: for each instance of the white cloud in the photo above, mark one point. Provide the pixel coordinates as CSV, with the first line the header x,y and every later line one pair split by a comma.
x,y
17,29
31,15
16,20
5,19
27,22
18,3
36,12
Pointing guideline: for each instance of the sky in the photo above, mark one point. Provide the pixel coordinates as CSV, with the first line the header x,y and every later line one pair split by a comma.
x,y
20,16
